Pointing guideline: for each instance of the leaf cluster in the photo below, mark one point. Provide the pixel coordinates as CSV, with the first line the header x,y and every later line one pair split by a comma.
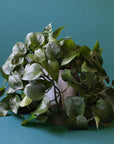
x,y
34,67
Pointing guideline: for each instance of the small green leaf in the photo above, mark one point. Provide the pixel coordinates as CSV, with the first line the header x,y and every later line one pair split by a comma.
x,y
43,107
19,47
39,56
57,32
27,120
36,90
3,74
53,51
2,90
3,109
97,121
77,122
15,81
66,75
96,47
47,32
86,68
33,72
34,39
25,101
74,105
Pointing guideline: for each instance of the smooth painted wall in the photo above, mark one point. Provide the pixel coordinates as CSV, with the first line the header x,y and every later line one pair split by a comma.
x,y
86,21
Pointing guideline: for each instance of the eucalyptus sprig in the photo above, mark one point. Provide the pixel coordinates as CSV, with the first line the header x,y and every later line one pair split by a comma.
x,y
34,68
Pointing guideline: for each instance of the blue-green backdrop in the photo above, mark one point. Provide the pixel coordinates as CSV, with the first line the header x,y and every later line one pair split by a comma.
x,y
86,21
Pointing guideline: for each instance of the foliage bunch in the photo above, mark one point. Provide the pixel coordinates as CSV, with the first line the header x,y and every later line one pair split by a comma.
x,y
34,67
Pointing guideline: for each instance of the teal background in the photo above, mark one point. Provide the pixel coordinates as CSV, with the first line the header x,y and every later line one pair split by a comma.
x,y
86,21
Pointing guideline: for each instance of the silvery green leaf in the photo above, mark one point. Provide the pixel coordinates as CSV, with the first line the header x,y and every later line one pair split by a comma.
x,y
19,47
3,109
36,90
33,72
7,67
34,39
14,103
47,32
53,51
18,59
39,56
25,102
43,107
10,90
15,81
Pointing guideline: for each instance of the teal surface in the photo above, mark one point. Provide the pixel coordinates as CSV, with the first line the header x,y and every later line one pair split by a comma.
x,y
86,21
13,133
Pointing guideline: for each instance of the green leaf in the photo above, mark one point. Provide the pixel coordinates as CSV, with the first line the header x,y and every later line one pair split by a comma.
x,y
52,67
97,121
39,56
19,47
27,120
3,109
34,39
14,103
33,72
3,74
86,68
103,109
47,32
53,51
74,105
25,101
67,60
77,122
36,90
89,77
66,75
57,32
7,67
43,107
18,59
15,81
96,47
2,90
84,50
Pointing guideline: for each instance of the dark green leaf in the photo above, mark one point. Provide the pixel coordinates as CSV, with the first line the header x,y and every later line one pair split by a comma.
x,y
84,50
3,74
77,122
57,32
103,109
34,39
74,105
2,90
19,47
15,81
112,82
36,90
33,72
89,77
66,75
43,107
52,67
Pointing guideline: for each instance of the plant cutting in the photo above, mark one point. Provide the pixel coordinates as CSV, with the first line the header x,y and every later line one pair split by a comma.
x,y
81,92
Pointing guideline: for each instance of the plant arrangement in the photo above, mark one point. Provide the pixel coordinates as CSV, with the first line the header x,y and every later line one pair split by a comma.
x,y
34,68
